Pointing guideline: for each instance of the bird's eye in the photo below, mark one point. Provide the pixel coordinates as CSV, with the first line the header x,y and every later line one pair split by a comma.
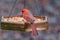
x,y
22,11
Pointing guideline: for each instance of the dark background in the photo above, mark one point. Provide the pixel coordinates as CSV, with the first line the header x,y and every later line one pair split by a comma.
x,y
49,8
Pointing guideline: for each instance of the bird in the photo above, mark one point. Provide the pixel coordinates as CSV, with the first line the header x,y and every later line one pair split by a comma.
x,y
27,15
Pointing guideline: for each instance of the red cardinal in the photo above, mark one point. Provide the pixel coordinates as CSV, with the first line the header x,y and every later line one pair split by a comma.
x,y
30,18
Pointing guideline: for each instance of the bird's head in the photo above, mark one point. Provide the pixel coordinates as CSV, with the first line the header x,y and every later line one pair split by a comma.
x,y
24,11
